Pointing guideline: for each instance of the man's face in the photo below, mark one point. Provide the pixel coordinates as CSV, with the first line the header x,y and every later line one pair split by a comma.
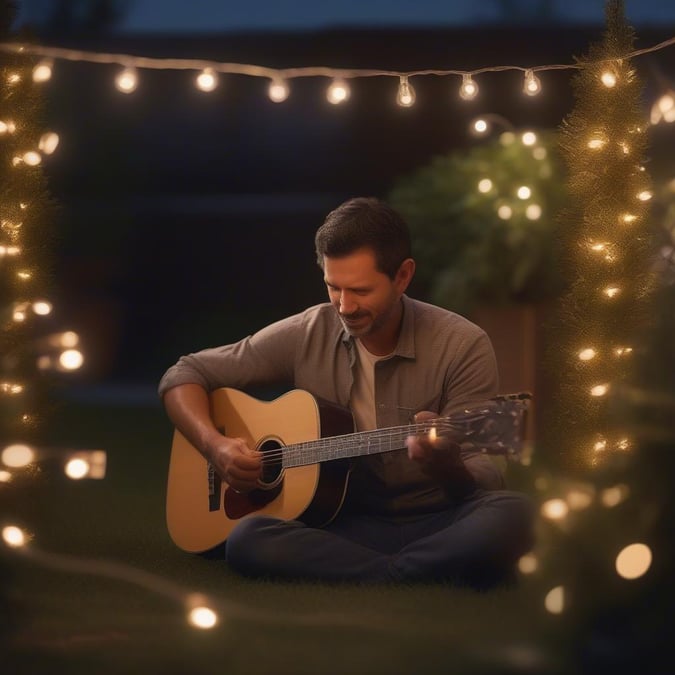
x,y
366,299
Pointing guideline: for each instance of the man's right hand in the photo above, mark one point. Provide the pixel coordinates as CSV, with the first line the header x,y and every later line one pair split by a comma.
x,y
238,465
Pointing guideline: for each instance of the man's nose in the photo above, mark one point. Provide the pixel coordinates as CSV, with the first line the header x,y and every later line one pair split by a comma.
x,y
347,304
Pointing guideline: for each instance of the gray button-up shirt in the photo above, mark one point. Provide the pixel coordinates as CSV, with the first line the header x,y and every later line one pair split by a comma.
x,y
442,363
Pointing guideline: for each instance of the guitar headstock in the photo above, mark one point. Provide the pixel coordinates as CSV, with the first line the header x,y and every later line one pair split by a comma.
x,y
495,426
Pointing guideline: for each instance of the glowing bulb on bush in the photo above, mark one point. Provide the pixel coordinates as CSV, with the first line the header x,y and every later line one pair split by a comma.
x,y
608,78
71,359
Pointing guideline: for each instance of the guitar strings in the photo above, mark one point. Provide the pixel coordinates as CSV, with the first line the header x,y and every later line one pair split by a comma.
x,y
359,440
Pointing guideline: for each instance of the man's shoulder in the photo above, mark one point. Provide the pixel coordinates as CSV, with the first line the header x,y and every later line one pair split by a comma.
x,y
439,318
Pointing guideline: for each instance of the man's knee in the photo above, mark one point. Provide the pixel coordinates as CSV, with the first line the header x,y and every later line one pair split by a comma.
x,y
248,548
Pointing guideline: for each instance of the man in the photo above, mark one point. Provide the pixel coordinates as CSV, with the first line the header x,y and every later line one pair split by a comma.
x,y
431,510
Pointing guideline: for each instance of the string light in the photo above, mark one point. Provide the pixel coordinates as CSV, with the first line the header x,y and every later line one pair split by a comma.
x,y
554,602
207,80
14,536
43,71
71,359
505,212
127,80
633,561
533,212
529,138
32,158
338,91
406,94
484,185
524,192
554,509
48,143
469,88
608,78
599,390
532,84
17,455
278,91
587,354
644,196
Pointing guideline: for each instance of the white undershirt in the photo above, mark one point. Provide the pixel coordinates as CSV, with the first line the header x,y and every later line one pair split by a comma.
x,y
362,399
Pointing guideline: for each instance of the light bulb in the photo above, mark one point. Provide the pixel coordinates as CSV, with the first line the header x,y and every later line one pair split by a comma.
x,y
469,88
127,80
48,142
43,71
32,158
524,192
532,84
480,126
645,196
338,92
529,138
608,78
599,390
484,185
505,212
71,359
405,96
278,90
207,80
533,212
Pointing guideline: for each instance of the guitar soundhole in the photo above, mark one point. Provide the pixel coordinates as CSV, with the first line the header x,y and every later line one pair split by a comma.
x,y
271,469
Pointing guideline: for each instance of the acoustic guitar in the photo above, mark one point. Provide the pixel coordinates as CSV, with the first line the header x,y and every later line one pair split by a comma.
x,y
306,445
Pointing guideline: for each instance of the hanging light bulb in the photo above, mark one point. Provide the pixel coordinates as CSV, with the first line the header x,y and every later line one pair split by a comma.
x,y
43,71
278,90
406,93
338,92
127,80
469,88
48,142
532,84
207,80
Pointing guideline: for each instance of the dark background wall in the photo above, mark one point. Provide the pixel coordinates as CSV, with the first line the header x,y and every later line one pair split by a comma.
x,y
187,219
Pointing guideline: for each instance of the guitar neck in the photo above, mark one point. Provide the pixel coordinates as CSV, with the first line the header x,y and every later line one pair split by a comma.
x,y
350,445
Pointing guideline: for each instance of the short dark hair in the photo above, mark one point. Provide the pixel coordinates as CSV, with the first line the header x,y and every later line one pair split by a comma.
x,y
365,222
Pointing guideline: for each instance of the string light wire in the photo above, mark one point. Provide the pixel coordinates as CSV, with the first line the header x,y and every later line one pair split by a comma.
x,y
144,62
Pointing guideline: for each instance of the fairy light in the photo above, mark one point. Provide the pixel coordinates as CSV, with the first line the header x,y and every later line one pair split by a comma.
x,y
77,468
207,80
615,495
127,80
599,390
587,354
484,185
608,78
622,351
597,142
48,142
612,291
480,126
32,158
628,218
278,91
11,388
5,476
469,89
600,445
645,195
43,71
579,499
405,96
17,455
529,138
42,307
554,602
13,78
539,153
532,84
554,509
71,359
338,91
528,564
9,251
524,192
14,536
633,561
533,212
505,212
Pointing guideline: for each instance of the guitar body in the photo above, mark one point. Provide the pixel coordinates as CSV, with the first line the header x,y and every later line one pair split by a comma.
x,y
202,510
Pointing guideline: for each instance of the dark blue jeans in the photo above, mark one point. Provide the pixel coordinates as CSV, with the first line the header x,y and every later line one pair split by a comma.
x,y
476,542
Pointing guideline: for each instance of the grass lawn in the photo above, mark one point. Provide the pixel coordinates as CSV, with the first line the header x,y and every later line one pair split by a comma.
x,y
87,620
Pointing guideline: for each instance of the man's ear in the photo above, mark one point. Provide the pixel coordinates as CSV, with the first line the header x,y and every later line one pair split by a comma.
x,y
404,274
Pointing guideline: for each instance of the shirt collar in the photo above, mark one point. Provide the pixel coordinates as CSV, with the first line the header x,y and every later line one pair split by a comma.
x,y
406,339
